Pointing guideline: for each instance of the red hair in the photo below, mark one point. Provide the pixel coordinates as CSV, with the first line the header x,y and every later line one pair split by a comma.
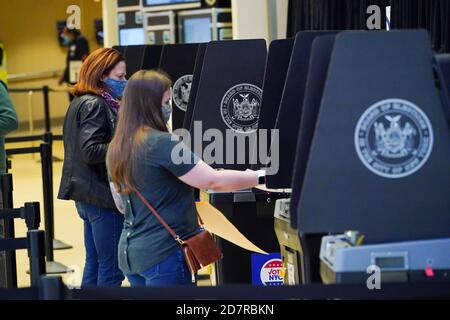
x,y
97,64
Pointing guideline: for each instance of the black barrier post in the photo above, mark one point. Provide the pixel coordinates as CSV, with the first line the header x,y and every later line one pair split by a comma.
x,y
45,91
31,213
49,138
57,244
47,185
8,231
36,253
51,288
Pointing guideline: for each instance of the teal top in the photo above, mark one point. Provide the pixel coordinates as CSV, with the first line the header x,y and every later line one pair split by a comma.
x,y
8,123
144,241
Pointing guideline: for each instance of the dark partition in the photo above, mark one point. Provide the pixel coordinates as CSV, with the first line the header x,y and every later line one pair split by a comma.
x,y
289,113
381,148
194,87
317,75
227,109
121,49
229,97
178,60
442,69
275,73
152,57
133,57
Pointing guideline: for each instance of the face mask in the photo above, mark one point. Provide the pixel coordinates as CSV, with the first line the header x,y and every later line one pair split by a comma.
x,y
116,87
66,40
166,111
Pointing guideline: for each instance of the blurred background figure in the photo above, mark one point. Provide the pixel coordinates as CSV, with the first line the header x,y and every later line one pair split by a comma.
x,y
8,122
77,52
3,72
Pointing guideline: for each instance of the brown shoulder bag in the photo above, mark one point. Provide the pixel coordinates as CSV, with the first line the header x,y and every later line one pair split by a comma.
x,y
199,250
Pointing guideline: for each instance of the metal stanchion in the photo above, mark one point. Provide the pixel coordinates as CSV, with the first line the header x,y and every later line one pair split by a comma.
x,y
48,138
34,242
47,184
57,244
45,92
48,126
10,279
30,117
36,253
51,288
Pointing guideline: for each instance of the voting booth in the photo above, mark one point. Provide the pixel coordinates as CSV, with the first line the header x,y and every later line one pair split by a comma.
x,y
277,66
198,66
301,93
291,105
178,61
227,102
152,57
121,49
140,57
378,162
134,55
442,74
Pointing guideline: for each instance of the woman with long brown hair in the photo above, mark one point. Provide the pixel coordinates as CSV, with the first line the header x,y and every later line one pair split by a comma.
x,y
140,159
88,128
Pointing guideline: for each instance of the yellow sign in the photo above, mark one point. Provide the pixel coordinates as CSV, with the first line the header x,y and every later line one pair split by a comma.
x,y
3,72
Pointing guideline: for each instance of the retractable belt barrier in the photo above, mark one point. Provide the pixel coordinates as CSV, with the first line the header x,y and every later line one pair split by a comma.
x,y
45,152
34,243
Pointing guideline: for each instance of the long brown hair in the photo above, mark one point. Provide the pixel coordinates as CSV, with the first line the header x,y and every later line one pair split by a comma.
x,y
97,64
140,112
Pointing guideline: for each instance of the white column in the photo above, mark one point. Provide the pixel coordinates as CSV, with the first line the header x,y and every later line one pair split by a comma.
x,y
282,18
250,19
110,27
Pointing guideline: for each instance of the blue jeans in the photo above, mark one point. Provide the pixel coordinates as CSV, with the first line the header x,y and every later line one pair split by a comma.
x,y
171,272
102,229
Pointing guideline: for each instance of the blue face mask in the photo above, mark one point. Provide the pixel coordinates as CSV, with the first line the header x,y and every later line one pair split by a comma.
x,y
66,40
116,87
166,111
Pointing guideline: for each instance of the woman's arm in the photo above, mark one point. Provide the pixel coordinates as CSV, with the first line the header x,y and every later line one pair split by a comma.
x,y
202,176
93,132
8,115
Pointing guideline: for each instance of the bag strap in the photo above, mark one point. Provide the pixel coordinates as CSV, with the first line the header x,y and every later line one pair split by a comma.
x,y
149,206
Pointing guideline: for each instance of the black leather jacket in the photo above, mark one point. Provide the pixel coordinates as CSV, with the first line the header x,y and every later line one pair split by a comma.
x,y
88,128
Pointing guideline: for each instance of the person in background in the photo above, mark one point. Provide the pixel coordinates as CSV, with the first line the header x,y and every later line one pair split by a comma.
x,y
8,122
140,159
88,128
78,50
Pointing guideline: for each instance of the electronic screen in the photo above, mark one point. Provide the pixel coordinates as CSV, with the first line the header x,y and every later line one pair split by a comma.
x,y
172,4
197,30
167,2
131,36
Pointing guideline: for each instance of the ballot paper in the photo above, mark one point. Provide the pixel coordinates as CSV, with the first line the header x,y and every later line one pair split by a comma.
x,y
215,222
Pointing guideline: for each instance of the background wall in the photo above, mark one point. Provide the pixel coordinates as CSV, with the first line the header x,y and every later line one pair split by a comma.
x,y
263,19
28,31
